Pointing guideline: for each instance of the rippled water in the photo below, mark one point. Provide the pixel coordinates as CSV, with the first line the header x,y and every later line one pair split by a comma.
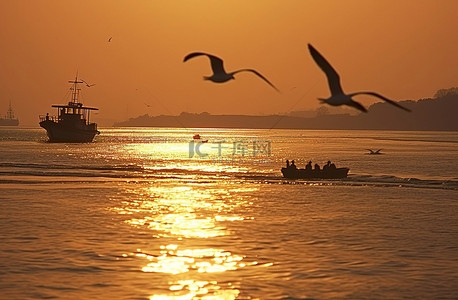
x,y
132,216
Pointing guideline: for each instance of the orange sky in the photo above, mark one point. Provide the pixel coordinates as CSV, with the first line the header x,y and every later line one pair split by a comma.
x,y
401,49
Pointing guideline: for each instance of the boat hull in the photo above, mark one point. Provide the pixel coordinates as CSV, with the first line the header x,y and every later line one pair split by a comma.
x,y
9,122
59,133
293,173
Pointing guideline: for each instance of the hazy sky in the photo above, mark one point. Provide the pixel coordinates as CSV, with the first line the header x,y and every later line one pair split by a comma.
x,y
402,49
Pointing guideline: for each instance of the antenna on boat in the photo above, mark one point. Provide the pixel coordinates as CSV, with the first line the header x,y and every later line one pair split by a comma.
x,y
75,90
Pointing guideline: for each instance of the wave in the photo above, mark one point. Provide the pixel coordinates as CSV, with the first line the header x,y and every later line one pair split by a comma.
x,y
414,140
35,174
384,181
128,167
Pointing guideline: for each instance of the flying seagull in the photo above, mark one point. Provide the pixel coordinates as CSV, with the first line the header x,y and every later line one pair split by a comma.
x,y
219,74
374,152
338,97
109,40
87,84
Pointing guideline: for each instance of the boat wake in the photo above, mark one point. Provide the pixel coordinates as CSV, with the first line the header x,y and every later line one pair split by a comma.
x,y
26,173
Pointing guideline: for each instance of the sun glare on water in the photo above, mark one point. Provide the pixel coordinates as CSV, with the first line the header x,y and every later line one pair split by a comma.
x,y
187,213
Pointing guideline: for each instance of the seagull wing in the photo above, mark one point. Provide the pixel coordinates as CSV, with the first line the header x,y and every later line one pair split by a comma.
x,y
370,150
378,151
356,105
87,84
381,97
216,62
331,74
259,74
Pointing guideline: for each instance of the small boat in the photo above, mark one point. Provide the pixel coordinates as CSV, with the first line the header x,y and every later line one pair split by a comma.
x,y
71,125
198,138
329,173
9,119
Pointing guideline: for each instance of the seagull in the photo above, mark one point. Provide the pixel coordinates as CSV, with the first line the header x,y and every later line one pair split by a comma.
x,y
338,97
147,105
219,74
87,84
374,152
109,40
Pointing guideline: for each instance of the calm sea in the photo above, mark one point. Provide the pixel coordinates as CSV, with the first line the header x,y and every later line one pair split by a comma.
x,y
142,213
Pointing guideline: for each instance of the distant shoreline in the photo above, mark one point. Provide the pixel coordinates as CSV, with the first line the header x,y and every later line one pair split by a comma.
x,y
438,114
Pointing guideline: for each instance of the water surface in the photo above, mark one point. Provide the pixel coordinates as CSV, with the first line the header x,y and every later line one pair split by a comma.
x,y
133,216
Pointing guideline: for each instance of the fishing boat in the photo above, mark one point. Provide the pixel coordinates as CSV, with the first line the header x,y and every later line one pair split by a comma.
x,y
328,172
71,125
9,119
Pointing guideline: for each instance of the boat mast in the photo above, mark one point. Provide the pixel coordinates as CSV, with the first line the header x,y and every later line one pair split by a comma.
x,y
75,90
10,113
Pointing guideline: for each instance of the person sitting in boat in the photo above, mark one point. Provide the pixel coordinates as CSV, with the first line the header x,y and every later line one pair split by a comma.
x,y
47,116
332,166
326,166
293,165
317,167
287,163
308,167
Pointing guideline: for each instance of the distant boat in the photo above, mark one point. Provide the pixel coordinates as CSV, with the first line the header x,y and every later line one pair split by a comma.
x,y
9,119
197,137
71,125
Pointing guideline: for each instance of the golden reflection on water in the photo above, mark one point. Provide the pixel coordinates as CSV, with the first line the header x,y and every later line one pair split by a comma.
x,y
193,211
190,289
173,261
201,260
184,212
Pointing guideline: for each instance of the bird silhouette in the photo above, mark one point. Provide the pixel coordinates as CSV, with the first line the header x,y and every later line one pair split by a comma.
x,y
219,74
87,84
374,152
109,40
338,97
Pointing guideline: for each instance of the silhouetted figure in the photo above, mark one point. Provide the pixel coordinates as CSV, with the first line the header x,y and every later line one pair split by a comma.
x,y
219,74
338,97
332,167
287,163
293,165
47,116
317,167
309,166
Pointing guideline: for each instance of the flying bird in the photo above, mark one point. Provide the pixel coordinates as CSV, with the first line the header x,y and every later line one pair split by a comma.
x,y
219,74
87,84
109,40
374,152
338,97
